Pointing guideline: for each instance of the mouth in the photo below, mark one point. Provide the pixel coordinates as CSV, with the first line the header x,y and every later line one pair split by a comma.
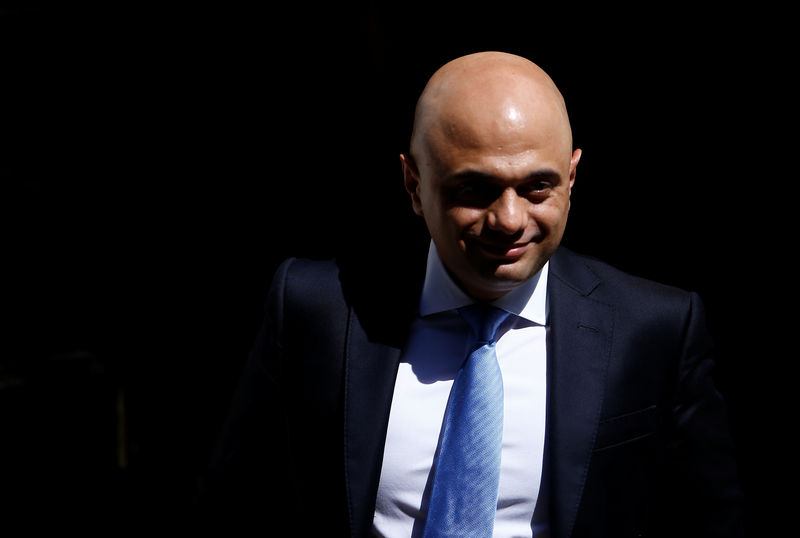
x,y
501,251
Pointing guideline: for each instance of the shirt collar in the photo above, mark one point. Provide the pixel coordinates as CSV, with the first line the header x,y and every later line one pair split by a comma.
x,y
440,293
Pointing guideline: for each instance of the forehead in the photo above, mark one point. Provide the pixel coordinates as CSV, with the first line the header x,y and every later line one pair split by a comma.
x,y
495,125
502,166
508,146
497,114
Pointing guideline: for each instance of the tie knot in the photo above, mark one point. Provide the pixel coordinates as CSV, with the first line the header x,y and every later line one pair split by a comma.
x,y
484,320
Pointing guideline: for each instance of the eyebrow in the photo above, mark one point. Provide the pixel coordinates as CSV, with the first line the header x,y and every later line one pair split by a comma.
x,y
477,175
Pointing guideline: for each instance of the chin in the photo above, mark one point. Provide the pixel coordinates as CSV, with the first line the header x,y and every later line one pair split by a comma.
x,y
502,282
516,273
499,281
489,279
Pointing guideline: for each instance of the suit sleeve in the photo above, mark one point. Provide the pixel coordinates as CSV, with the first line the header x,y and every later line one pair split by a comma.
x,y
703,453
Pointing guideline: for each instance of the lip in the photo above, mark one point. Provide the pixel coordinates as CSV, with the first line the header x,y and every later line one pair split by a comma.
x,y
502,251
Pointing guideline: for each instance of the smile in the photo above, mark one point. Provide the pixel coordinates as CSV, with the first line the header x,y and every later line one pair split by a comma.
x,y
497,251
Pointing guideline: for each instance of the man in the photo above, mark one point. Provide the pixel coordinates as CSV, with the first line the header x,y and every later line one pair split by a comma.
x,y
607,422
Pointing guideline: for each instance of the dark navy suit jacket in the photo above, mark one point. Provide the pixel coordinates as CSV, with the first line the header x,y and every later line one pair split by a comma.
x,y
637,442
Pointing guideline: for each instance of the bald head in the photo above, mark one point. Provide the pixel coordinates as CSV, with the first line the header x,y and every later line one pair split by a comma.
x,y
491,170
490,98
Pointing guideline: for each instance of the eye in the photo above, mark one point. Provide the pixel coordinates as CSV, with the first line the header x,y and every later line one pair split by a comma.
x,y
537,189
474,192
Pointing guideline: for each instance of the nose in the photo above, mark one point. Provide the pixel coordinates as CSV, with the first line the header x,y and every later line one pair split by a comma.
x,y
507,214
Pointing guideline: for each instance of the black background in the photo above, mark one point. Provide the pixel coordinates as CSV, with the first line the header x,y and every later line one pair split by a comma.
x,y
158,163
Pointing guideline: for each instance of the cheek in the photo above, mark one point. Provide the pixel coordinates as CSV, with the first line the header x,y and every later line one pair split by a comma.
x,y
463,220
444,225
551,216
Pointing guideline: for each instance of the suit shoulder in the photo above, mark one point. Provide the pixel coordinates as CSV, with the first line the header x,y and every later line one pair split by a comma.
x,y
307,272
607,282
307,285
653,310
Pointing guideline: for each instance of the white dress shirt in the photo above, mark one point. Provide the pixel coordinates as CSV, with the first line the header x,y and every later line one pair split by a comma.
x,y
436,349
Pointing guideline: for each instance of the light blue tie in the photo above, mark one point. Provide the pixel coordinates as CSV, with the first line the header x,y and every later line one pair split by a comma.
x,y
464,492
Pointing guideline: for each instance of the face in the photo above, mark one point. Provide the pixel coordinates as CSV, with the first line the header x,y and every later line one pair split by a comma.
x,y
495,212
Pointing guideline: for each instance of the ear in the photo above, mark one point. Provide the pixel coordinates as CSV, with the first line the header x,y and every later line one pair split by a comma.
x,y
411,182
573,167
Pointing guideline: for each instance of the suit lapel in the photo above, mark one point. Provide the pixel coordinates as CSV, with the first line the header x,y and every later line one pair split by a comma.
x,y
382,306
371,369
581,330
